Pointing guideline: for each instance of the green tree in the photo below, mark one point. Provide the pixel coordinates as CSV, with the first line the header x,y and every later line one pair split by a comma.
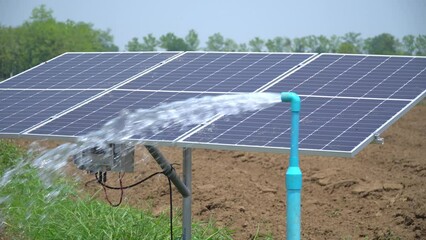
x,y
409,44
133,45
105,39
320,43
323,44
384,43
9,52
242,47
230,46
353,42
278,44
192,40
41,14
149,43
217,42
42,37
257,44
347,47
334,43
421,45
171,42
299,44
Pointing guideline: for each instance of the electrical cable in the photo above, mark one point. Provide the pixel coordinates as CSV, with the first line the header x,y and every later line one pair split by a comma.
x,y
126,187
120,177
101,179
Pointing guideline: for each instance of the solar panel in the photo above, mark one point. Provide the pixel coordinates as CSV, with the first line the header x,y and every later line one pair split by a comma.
x,y
85,70
358,76
21,109
218,72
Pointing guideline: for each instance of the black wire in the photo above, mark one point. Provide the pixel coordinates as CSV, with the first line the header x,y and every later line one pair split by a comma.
x,y
139,182
129,186
99,180
105,189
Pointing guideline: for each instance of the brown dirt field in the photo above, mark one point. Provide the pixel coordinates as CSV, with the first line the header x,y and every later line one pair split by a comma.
x,y
379,194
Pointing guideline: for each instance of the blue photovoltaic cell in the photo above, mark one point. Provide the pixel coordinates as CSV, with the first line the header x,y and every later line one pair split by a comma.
x,y
326,124
20,110
95,114
85,70
358,76
218,72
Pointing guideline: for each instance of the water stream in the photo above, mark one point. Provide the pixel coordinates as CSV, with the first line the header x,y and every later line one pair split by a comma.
x,y
142,122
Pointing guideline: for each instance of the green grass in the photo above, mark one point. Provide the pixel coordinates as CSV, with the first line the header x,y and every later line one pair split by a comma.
x,y
32,213
9,155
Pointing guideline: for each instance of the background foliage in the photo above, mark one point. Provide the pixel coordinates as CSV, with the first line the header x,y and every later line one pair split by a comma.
x,y
42,37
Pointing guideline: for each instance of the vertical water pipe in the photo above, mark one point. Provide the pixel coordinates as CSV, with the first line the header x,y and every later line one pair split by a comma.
x,y
293,177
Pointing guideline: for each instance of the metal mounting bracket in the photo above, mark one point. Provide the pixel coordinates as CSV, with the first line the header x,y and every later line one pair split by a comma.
x,y
378,139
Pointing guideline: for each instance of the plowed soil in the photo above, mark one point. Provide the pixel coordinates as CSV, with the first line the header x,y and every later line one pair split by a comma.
x,y
379,194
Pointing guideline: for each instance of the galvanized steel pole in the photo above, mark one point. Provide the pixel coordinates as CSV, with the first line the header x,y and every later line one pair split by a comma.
x,y
187,201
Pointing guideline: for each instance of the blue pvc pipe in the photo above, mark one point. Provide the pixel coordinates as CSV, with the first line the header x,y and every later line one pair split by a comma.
x,y
294,174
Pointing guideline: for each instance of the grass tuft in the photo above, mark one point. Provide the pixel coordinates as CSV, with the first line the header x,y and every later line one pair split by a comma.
x,y
31,209
9,155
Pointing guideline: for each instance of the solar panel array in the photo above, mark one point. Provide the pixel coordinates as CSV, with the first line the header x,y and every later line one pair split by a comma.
x,y
346,99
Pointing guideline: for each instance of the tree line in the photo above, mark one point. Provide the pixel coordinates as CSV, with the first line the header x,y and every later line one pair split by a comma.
x,y
42,37
351,42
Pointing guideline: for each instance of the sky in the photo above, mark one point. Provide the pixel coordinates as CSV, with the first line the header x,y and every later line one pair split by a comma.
x,y
240,20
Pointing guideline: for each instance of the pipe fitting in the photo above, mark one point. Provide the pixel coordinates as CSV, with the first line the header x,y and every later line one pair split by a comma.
x,y
293,98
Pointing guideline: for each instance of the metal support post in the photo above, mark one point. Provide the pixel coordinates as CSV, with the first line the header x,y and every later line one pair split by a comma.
x,y
187,201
